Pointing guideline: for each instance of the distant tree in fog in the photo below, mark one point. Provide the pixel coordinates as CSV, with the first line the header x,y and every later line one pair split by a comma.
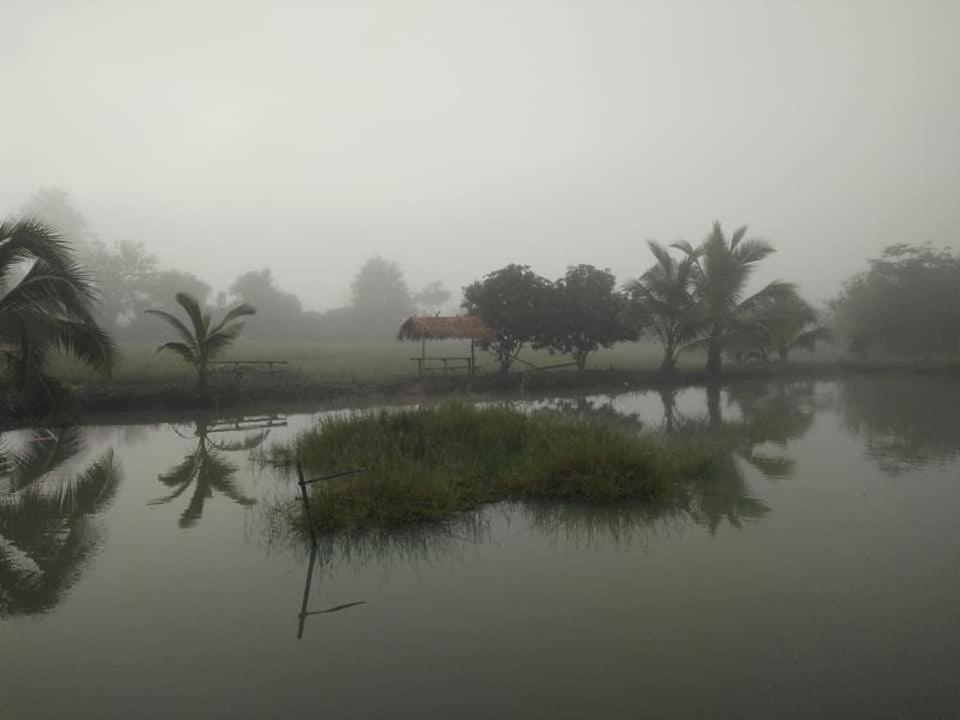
x,y
583,313
279,313
130,282
432,297
381,299
202,341
47,303
52,205
907,303
514,302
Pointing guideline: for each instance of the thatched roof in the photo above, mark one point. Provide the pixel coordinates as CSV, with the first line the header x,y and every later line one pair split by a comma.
x,y
458,327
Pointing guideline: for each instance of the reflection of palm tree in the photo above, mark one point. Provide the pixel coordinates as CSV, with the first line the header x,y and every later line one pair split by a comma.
x,y
207,470
772,417
46,533
769,415
668,396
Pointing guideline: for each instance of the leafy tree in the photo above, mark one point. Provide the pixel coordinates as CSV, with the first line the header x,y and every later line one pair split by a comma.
x,y
584,313
907,302
722,269
47,303
663,303
512,301
123,273
202,343
433,296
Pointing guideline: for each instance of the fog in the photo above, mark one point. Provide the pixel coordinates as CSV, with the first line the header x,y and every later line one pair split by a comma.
x,y
457,137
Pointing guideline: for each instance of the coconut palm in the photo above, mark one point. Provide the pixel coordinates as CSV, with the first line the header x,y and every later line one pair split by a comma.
x,y
789,323
202,343
47,303
664,303
722,269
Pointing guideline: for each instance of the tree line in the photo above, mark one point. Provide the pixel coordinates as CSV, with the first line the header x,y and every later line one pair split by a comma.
x,y
692,298
60,296
130,281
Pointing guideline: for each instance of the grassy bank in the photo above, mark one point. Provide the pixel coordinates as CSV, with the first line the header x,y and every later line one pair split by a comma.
x,y
381,362
430,464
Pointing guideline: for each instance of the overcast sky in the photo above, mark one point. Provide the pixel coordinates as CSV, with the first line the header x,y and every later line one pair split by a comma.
x,y
455,137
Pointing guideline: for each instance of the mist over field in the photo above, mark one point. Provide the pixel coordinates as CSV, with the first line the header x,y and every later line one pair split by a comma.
x,y
455,138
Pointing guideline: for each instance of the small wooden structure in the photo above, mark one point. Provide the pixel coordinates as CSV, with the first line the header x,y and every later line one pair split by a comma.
x,y
457,327
241,368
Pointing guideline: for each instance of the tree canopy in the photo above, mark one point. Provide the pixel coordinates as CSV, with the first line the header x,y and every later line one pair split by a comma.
x,y
514,302
907,302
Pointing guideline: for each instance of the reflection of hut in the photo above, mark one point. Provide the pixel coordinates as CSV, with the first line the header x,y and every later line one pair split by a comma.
x,y
459,327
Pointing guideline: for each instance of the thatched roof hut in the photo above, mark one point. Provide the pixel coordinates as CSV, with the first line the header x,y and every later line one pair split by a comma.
x,y
458,327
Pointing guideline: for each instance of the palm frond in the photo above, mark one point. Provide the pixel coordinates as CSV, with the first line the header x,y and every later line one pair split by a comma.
x,y
183,350
808,340
753,251
242,310
737,237
176,324
189,303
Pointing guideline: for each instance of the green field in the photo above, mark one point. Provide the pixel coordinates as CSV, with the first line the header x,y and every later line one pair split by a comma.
x,y
341,363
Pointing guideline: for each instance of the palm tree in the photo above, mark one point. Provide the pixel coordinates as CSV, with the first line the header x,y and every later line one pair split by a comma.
x,y
722,269
788,323
203,343
664,301
47,303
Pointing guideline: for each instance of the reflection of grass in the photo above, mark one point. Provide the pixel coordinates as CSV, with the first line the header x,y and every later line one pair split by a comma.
x,y
433,463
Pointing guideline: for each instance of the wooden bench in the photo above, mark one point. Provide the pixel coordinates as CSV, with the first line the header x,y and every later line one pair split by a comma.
x,y
446,365
241,368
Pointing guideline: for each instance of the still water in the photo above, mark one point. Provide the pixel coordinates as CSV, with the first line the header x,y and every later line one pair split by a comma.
x,y
140,576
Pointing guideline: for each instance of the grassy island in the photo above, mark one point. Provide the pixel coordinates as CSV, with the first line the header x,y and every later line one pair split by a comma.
x,y
432,463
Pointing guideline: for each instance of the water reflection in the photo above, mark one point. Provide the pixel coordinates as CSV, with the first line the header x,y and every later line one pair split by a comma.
x,y
304,613
907,423
207,469
47,532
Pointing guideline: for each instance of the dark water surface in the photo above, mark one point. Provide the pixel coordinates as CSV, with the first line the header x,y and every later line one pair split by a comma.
x,y
820,577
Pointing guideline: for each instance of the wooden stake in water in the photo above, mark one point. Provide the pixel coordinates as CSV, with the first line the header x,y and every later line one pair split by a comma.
x,y
306,504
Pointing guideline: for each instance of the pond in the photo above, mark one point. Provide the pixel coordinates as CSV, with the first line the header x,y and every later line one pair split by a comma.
x,y
140,576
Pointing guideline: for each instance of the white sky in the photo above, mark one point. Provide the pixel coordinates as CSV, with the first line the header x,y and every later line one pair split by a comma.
x,y
455,137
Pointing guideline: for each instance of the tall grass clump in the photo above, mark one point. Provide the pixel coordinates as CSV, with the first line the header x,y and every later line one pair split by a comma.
x,y
429,464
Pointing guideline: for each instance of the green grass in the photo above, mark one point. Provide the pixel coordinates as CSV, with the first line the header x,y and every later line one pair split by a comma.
x,y
431,464
139,363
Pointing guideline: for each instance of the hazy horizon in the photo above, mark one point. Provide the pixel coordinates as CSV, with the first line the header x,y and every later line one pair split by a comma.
x,y
455,138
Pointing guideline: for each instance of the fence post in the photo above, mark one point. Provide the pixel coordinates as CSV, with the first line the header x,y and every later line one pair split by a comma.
x,y
306,503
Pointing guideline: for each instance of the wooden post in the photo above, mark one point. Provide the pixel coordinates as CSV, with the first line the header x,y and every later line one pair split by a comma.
x,y
306,504
473,359
302,617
